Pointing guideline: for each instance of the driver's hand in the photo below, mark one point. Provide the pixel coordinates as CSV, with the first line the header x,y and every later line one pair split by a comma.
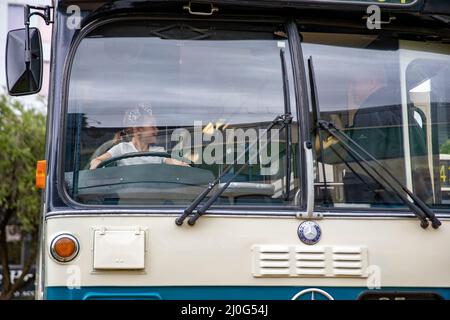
x,y
175,162
94,163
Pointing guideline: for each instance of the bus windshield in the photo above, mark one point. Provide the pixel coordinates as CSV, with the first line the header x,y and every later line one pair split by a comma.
x,y
156,111
390,96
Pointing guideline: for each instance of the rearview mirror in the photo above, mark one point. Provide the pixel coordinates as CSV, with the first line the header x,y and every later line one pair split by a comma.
x,y
23,67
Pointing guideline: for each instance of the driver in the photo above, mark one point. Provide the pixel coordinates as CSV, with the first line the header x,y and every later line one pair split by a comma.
x,y
142,130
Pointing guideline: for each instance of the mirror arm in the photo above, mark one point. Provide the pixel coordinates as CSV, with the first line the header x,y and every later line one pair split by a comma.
x,y
46,16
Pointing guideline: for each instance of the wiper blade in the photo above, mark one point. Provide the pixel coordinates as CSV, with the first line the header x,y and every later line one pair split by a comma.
x,y
419,208
327,199
282,120
317,132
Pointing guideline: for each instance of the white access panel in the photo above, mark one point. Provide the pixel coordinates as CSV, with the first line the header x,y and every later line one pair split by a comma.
x,y
119,249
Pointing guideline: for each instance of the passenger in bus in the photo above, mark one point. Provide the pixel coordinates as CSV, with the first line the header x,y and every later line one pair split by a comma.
x,y
375,122
139,136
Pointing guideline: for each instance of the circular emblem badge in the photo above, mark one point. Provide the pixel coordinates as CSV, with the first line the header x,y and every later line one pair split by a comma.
x,y
314,294
309,232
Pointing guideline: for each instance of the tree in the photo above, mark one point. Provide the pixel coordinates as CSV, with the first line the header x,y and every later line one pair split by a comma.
x,y
22,138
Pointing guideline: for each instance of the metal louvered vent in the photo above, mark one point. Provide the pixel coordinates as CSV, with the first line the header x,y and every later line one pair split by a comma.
x,y
304,261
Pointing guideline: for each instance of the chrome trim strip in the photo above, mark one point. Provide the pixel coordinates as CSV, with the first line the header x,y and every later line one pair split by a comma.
x,y
310,181
234,213
166,212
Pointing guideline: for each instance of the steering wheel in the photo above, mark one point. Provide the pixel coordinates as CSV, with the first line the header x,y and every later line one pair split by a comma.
x,y
133,155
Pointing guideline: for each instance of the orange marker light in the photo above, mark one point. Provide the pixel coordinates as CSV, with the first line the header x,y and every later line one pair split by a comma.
x,y
64,248
41,169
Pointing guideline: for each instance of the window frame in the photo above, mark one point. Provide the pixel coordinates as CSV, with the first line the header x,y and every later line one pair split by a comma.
x,y
275,210
301,91
350,211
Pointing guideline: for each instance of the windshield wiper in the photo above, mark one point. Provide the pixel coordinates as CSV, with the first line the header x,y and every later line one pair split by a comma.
x,y
281,120
359,154
317,132
287,110
417,206
285,121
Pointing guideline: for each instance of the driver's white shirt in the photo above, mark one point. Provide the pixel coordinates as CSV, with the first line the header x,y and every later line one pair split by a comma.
x,y
128,147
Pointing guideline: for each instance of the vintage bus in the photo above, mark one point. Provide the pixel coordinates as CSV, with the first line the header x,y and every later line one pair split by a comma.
x,y
242,149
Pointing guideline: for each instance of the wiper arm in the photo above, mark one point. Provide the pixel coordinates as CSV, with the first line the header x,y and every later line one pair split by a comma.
x,y
287,110
282,120
419,208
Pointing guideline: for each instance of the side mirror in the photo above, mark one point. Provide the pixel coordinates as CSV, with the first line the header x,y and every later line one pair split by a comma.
x,y
23,67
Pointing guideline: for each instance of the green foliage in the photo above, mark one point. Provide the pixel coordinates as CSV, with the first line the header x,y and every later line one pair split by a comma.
x,y
22,138
445,148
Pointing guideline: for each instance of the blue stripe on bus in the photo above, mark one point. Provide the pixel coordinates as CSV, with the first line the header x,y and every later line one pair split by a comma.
x,y
217,292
